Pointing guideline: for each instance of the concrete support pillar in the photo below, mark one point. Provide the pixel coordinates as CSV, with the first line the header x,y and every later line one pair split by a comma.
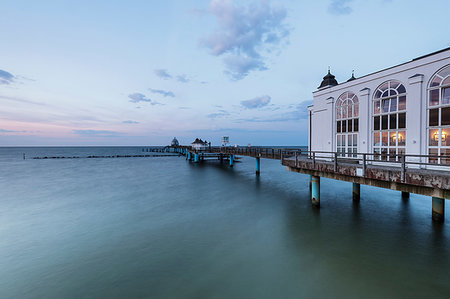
x,y
356,191
438,208
231,160
196,158
258,166
405,195
189,156
310,183
221,158
315,191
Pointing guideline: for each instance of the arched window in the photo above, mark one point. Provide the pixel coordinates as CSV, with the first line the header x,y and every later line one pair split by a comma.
x,y
439,116
389,120
347,124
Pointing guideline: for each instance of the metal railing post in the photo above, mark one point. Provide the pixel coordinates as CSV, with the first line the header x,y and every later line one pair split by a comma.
x,y
314,160
364,165
335,162
403,173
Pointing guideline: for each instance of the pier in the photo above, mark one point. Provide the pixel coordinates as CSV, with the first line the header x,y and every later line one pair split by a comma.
x,y
419,174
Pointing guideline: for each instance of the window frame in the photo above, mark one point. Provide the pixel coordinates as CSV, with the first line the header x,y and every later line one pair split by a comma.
x,y
443,77
349,102
389,103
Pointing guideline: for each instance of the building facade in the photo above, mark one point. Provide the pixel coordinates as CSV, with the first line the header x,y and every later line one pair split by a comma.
x,y
199,144
402,109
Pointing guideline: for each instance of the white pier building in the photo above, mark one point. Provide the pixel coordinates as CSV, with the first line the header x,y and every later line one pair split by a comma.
x,y
403,109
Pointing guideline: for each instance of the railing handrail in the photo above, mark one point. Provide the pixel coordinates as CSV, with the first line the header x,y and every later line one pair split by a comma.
x,y
283,152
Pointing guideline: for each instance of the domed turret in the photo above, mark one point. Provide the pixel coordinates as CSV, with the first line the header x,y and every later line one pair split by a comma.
x,y
175,142
328,81
353,77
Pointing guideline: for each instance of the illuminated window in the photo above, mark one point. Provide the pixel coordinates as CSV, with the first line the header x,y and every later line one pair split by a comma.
x,y
347,124
389,120
439,116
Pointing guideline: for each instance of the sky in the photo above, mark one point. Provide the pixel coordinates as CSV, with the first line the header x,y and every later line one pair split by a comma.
x,y
142,72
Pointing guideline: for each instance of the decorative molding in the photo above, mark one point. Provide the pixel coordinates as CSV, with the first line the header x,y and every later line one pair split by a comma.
x,y
364,92
417,78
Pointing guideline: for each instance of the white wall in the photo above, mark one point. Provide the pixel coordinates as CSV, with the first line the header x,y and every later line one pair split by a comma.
x,y
414,75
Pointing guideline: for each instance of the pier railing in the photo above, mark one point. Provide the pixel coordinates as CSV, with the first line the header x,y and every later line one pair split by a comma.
x,y
403,161
253,151
394,160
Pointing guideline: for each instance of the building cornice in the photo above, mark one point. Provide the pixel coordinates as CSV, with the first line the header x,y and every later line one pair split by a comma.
x,y
415,63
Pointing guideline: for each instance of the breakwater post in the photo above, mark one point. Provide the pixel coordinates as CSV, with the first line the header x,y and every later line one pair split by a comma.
x,y
258,166
315,191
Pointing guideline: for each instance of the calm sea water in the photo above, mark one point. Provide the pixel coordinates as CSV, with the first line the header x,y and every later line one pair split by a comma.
x,y
165,228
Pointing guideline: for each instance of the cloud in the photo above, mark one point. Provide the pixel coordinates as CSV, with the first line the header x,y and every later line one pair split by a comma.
x,y
97,133
240,66
163,74
257,102
6,77
139,97
11,131
245,33
163,92
20,100
220,113
183,79
300,112
130,122
340,7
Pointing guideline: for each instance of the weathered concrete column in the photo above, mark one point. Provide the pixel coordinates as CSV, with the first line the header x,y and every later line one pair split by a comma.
x,y
438,209
405,195
196,158
315,191
231,160
258,166
310,183
356,191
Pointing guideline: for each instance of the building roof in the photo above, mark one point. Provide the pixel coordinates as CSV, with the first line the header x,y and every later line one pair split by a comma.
x,y
328,80
415,59
352,77
199,141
